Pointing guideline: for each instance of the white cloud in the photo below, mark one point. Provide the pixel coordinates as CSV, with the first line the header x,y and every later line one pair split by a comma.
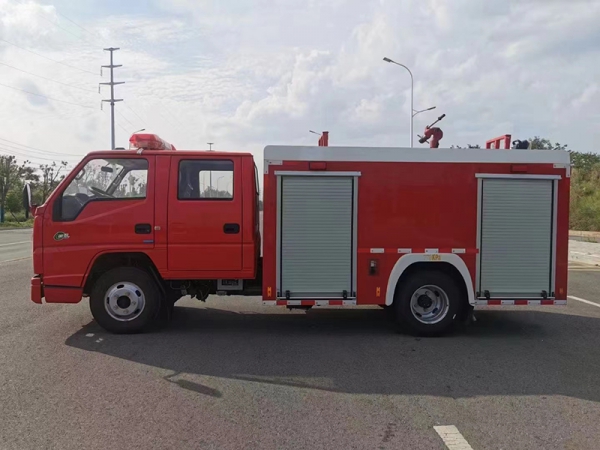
x,y
249,74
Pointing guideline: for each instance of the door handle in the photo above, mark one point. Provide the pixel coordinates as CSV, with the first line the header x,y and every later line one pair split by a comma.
x,y
231,228
143,228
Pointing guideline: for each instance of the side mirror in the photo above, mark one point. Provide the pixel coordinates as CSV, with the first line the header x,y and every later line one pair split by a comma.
x,y
27,204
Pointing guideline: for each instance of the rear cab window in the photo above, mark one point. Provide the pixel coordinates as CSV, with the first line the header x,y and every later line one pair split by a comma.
x,y
205,180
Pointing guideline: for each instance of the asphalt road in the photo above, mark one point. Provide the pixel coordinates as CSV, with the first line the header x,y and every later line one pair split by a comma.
x,y
15,244
233,374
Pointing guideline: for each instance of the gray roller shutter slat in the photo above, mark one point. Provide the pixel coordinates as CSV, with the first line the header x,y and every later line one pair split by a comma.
x,y
316,236
516,237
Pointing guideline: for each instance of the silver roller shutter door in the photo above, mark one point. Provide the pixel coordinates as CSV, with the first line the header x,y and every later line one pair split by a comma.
x,y
316,236
516,237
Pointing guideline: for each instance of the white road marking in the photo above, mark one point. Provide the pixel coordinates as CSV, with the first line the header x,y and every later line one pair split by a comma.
x,y
15,243
584,253
583,300
89,335
452,437
17,259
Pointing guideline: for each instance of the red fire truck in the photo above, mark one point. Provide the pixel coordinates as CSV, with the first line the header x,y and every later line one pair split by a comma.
x,y
426,233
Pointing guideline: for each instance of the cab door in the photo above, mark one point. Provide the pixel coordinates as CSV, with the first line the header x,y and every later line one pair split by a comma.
x,y
106,206
205,214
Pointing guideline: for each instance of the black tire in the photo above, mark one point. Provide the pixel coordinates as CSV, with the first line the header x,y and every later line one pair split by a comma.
x,y
403,312
141,320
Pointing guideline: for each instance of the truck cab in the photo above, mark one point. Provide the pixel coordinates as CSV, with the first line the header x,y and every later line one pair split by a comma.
x,y
179,221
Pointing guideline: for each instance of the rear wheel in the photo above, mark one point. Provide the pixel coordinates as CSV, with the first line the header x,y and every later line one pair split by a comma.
x,y
125,300
428,303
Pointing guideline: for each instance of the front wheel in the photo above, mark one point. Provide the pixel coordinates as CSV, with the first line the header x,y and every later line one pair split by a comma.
x,y
125,300
428,303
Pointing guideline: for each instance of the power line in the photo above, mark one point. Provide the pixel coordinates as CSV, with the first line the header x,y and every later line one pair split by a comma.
x,y
77,25
48,79
49,59
20,151
27,147
43,16
12,152
178,124
33,164
136,114
126,119
123,128
49,98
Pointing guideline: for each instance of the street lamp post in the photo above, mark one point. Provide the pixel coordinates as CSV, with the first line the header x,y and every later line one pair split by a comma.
x,y
412,92
219,179
210,144
422,110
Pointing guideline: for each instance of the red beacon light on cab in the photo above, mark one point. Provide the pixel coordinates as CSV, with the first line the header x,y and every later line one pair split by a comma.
x,y
148,142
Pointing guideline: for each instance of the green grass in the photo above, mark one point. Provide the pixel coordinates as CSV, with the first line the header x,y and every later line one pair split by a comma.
x,y
14,224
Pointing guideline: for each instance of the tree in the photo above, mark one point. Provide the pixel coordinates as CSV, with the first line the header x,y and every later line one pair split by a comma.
x,y
584,162
51,176
468,146
538,143
11,173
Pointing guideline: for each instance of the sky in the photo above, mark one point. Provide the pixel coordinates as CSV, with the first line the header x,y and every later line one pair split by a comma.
x,y
246,74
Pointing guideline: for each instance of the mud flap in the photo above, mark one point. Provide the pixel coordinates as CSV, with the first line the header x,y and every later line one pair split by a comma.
x,y
164,313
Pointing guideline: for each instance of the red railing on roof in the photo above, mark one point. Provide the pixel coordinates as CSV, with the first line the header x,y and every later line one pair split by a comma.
x,y
497,142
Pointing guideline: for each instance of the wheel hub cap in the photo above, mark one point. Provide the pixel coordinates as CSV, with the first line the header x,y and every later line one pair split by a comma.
x,y
424,301
124,301
429,304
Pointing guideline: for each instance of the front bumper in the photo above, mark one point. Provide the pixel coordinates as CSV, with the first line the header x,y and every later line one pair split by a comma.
x,y
37,289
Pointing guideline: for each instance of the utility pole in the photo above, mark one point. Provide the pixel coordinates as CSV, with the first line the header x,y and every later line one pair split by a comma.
x,y
112,99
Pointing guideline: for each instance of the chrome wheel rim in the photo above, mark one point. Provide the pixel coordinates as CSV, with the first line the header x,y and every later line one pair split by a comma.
x,y
124,301
429,304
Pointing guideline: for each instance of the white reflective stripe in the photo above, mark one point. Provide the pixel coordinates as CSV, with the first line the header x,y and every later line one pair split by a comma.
x,y
480,302
452,437
349,302
458,250
322,303
269,302
377,250
405,250
432,250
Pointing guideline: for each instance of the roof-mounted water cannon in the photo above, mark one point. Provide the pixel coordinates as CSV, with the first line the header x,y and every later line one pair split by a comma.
x,y
434,133
149,142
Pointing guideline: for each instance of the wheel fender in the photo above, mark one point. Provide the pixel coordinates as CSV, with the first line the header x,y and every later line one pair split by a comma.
x,y
432,258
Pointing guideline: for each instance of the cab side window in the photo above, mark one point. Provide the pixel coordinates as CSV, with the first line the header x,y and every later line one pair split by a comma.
x,y
102,180
205,180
